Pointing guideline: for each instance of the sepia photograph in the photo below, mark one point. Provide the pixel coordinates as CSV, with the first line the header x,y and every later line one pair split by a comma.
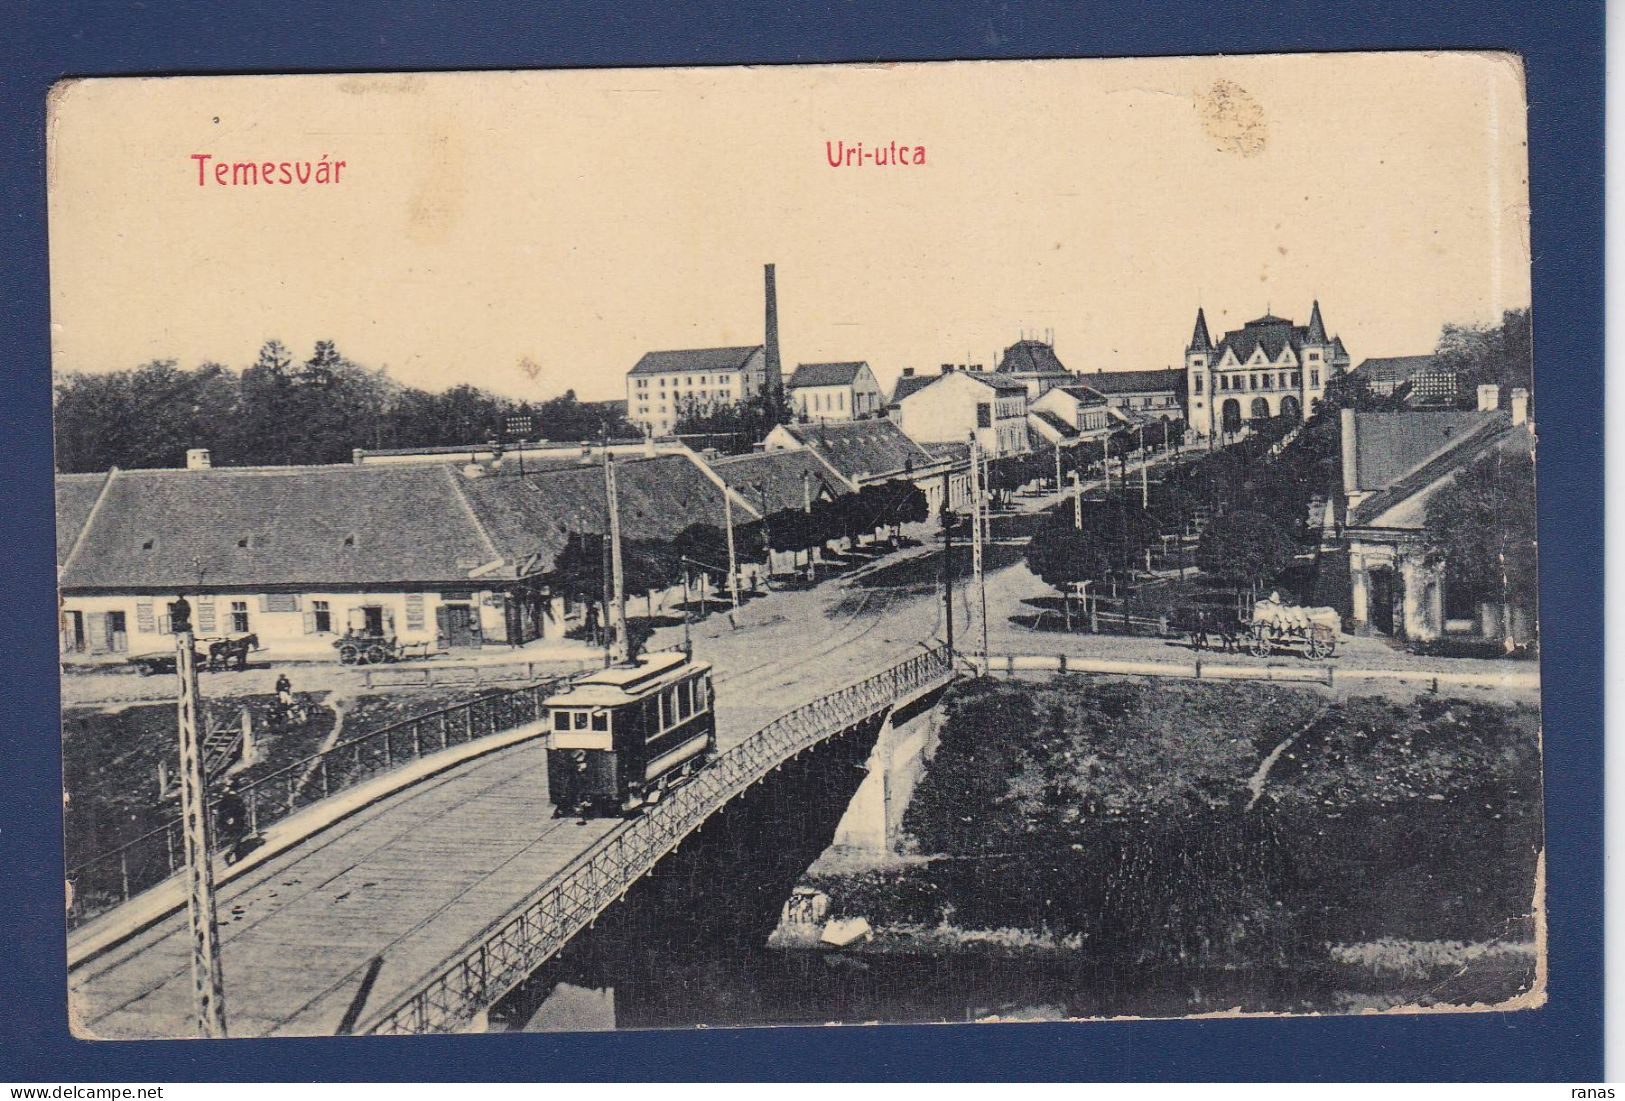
x,y
978,541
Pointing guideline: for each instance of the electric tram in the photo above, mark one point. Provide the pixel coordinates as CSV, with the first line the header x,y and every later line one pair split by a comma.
x,y
621,737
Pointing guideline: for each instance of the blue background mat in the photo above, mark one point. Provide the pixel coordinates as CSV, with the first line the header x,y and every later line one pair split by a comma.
x,y
1563,48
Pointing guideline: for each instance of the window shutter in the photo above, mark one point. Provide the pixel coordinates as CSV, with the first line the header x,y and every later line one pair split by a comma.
x,y
442,627
265,603
96,627
414,611
310,623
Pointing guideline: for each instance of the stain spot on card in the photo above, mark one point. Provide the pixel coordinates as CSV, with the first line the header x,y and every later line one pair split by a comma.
x,y
437,198
1233,119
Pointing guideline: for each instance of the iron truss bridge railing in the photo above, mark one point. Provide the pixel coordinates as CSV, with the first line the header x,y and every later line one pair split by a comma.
x,y
499,958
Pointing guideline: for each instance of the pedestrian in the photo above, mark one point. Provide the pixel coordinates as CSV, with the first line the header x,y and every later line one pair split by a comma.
x,y
231,821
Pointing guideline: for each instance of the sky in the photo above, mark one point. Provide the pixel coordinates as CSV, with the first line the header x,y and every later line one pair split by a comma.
x,y
532,232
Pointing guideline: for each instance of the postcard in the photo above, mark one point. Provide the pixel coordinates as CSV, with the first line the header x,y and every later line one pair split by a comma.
x,y
908,543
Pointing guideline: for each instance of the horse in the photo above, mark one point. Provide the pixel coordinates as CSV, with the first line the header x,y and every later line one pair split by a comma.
x,y
232,652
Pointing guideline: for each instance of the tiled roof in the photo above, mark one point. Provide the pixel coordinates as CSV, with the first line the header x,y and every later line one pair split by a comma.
x,y
532,514
1390,446
1490,431
908,384
694,359
1086,395
779,475
948,452
325,525
76,495
1394,368
374,526
1050,426
1001,383
1031,357
1137,382
826,374
862,449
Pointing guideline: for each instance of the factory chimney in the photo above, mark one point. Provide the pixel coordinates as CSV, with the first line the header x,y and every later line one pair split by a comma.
x,y
775,372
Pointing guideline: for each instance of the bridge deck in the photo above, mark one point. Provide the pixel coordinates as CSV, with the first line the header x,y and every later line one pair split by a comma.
x,y
314,939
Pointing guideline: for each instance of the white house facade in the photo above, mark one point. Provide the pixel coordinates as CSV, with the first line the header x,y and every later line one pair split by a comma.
x,y
958,403
664,387
834,392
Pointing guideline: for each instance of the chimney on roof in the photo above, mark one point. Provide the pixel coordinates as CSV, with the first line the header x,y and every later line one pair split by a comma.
x,y
947,368
908,372
1351,452
1519,401
1489,398
356,455
775,372
197,458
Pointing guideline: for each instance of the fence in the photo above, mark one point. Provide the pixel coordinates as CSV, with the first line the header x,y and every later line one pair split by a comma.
x,y
500,957
112,878
423,676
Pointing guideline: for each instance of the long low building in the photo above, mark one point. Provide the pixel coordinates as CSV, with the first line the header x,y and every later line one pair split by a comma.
x,y
449,555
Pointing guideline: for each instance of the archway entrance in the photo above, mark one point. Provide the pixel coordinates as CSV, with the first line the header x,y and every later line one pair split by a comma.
x,y
1291,408
1231,415
1261,409
1380,601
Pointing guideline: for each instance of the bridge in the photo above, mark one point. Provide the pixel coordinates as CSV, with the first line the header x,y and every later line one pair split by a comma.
x,y
419,911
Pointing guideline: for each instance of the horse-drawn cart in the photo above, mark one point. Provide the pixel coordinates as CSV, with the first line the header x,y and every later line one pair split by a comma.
x,y
1279,627
211,654
370,639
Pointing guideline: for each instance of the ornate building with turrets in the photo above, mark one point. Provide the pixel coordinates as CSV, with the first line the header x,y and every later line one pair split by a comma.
x,y
1269,367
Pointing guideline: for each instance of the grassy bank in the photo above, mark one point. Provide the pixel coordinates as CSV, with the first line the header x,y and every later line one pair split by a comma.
x,y
1384,844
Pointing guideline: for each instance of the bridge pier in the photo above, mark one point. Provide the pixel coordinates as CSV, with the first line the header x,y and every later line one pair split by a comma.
x,y
874,819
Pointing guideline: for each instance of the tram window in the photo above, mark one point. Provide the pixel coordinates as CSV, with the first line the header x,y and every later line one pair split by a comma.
x,y
685,702
600,720
580,720
561,720
665,710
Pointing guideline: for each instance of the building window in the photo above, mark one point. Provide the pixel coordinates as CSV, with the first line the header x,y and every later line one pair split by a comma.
x,y
1314,378
239,617
321,617
145,622
1198,384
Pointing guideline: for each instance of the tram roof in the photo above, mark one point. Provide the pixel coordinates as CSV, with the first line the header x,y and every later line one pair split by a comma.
x,y
620,683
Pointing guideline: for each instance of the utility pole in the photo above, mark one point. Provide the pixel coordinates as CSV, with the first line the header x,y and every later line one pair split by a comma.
x,y
208,988
1145,486
1057,466
733,562
623,645
948,561
976,490
1077,502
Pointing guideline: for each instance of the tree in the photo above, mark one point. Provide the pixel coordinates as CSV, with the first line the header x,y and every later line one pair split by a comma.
x,y
1347,390
1110,543
1246,546
1501,355
1482,527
